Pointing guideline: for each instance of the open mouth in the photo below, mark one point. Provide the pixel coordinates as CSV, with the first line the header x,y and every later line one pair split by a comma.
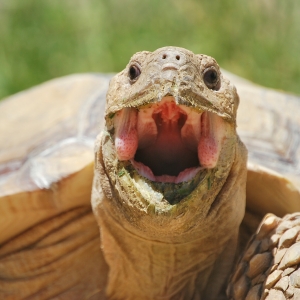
x,y
166,142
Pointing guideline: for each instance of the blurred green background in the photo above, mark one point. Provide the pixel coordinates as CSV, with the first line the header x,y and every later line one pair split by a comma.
x,y
43,39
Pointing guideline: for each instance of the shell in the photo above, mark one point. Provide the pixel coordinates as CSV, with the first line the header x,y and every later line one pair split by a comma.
x,y
46,159
47,134
270,128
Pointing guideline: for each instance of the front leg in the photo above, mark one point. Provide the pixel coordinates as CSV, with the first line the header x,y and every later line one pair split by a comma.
x,y
270,266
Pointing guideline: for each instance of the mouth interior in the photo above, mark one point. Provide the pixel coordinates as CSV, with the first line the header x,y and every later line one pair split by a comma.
x,y
168,155
166,142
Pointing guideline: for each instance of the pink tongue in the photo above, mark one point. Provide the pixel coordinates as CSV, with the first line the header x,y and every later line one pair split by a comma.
x,y
210,142
126,139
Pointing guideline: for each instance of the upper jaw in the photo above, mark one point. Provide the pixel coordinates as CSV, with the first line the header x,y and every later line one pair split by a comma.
x,y
187,89
183,79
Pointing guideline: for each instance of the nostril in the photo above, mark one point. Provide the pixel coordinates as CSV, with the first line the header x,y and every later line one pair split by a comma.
x,y
177,57
164,56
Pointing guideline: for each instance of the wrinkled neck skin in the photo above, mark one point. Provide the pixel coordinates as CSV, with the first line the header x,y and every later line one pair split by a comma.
x,y
164,251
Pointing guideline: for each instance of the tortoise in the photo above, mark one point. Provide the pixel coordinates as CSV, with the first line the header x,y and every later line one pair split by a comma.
x,y
177,212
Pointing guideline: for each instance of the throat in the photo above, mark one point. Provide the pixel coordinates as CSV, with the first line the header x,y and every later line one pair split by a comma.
x,y
168,155
145,269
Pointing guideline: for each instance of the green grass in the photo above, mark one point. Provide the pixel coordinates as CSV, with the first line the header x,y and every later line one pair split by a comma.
x,y
44,39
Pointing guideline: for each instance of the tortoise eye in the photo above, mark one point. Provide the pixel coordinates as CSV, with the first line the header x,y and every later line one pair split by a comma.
x,y
211,78
134,72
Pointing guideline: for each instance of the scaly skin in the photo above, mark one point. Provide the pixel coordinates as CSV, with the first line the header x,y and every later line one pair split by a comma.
x,y
157,249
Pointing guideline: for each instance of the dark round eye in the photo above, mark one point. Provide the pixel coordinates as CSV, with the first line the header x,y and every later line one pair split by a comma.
x,y
134,72
211,78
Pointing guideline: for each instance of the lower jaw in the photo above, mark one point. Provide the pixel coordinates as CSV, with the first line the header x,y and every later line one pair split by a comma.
x,y
172,192
183,176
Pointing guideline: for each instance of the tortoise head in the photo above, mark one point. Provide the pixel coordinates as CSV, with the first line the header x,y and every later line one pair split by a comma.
x,y
170,142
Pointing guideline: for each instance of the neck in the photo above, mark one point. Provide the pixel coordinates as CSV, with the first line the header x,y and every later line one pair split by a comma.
x,y
145,269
